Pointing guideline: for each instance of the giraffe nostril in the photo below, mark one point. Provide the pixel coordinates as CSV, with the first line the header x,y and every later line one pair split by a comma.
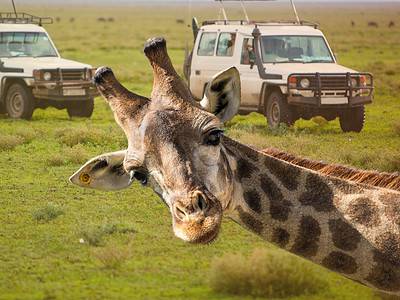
x,y
180,213
201,202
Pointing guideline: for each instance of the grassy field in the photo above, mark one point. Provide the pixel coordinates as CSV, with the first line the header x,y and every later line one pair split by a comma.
x,y
61,242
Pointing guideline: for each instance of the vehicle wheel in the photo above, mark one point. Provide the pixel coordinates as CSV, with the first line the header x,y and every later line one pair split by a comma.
x,y
352,119
278,110
83,109
19,102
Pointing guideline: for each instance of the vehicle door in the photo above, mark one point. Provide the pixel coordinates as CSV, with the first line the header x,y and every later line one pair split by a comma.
x,y
250,80
214,53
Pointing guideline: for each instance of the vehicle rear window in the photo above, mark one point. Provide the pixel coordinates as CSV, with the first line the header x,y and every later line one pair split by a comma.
x,y
226,44
207,44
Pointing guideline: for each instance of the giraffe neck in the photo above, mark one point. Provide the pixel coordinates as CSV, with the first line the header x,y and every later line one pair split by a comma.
x,y
348,228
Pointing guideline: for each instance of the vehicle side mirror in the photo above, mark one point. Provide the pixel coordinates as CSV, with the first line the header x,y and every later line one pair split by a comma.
x,y
252,60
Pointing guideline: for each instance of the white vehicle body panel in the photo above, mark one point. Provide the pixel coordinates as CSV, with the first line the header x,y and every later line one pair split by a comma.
x,y
204,67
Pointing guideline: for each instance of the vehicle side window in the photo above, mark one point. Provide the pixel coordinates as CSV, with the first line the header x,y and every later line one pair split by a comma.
x,y
226,44
248,54
207,44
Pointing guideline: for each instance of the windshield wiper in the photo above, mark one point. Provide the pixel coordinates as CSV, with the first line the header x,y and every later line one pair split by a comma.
x,y
318,61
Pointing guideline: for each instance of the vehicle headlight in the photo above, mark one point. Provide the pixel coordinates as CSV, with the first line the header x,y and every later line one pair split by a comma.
x,y
305,83
47,76
354,82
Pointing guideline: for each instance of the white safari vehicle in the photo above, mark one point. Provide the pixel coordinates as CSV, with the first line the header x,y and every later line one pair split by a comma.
x,y
33,75
287,69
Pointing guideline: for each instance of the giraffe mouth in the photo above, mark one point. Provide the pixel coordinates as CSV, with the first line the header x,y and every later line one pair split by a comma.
x,y
200,227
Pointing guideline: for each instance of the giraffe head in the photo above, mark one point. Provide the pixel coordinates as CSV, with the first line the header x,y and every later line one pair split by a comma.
x,y
173,144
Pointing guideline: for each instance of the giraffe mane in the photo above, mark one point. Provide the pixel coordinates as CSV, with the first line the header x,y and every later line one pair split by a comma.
x,y
374,178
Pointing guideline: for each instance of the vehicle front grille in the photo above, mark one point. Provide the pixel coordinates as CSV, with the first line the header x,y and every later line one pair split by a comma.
x,y
69,75
330,82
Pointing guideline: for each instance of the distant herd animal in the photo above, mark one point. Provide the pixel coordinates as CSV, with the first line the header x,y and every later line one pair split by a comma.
x,y
374,24
101,19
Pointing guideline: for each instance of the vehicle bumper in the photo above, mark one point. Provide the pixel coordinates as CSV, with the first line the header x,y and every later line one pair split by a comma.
x,y
321,94
64,91
318,101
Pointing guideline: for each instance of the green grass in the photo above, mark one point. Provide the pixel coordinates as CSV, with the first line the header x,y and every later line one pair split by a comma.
x,y
47,260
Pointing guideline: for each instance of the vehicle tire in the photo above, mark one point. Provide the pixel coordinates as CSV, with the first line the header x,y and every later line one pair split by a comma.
x,y
82,109
278,111
19,103
352,119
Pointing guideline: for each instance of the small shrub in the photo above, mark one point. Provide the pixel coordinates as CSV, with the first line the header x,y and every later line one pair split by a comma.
x,y
56,160
94,235
112,257
72,137
47,213
28,134
390,72
265,273
76,154
321,121
9,142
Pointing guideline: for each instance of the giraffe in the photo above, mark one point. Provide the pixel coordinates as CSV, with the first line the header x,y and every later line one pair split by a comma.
x,y
177,147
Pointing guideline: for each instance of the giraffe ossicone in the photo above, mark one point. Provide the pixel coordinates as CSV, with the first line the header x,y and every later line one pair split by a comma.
x,y
176,146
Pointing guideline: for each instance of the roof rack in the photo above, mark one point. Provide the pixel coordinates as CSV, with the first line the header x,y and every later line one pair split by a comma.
x,y
260,23
23,18
245,11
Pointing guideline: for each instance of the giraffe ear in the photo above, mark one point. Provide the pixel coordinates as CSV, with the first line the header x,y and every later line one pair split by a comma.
x,y
105,172
222,94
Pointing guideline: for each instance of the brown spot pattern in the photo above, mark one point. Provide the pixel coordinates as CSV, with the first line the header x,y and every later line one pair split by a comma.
x,y
344,236
280,237
392,207
253,200
340,262
306,242
245,169
318,194
389,244
251,222
286,173
363,211
385,274
279,208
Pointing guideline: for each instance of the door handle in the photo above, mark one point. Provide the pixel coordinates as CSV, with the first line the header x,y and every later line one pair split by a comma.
x,y
197,72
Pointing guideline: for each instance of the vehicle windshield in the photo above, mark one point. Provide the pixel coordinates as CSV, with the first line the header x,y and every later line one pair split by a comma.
x,y
26,44
302,49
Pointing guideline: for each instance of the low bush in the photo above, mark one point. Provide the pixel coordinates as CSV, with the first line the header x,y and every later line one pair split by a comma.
x,y
9,142
47,213
111,256
266,273
94,235
75,155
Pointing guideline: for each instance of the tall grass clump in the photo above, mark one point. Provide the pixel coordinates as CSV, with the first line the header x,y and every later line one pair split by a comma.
x,y
265,273
47,213
84,135
94,235
9,142
111,256
75,155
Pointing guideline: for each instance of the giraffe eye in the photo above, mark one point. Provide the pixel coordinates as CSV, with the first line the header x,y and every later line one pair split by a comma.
x,y
213,138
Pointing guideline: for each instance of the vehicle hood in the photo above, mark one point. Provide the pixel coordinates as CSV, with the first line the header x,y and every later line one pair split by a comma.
x,y
29,63
286,69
